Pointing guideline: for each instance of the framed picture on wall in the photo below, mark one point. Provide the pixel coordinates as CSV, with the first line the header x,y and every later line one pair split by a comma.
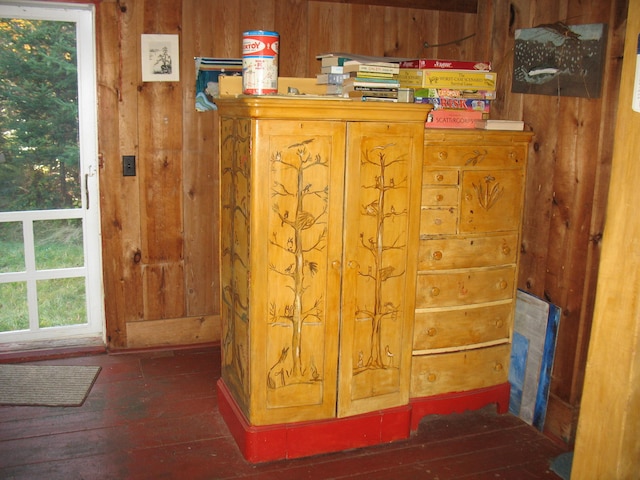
x,y
558,59
160,58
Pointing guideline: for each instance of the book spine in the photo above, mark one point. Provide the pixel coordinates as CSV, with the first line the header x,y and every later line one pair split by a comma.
x,y
330,61
356,80
360,93
332,69
358,88
331,78
374,75
379,69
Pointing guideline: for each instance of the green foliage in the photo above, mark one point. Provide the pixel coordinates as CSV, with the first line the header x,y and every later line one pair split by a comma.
x,y
39,161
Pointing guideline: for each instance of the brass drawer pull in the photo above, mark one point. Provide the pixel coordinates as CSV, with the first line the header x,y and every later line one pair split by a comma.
x,y
439,177
437,255
432,332
432,377
435,291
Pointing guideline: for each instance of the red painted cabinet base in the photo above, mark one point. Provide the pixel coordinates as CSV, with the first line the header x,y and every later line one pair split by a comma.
x,y
294,440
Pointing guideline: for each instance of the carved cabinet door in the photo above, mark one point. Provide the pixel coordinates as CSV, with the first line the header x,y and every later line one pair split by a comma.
x,y
382,215
296,248
491,200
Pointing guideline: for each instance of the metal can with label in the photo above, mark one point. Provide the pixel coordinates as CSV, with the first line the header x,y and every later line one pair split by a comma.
x,y
260,62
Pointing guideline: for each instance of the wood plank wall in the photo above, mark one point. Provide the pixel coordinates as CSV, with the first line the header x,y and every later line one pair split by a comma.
x,y
159,227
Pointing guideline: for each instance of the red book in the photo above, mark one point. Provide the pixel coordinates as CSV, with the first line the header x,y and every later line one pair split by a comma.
x,y
422,63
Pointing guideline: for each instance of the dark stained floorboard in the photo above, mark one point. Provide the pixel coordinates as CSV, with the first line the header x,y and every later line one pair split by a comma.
x,y
153,415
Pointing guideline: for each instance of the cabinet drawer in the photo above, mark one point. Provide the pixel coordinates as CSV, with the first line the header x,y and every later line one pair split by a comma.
x,y
456,328
459,371
467,252
437,196
475,156
438,221
448,289
432,176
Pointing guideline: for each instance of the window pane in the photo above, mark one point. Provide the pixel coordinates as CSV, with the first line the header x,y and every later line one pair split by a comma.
x,y
61,302
58,243
12,247
39,154
14,312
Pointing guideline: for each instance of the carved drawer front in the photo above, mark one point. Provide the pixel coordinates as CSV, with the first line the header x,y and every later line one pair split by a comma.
x,y
462,327
438,196
438,221
469,287
491,200
475,156
432,176
459,371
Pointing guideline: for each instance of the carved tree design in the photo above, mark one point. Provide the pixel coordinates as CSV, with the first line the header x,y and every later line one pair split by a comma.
x,y
235,146
297,236
379,272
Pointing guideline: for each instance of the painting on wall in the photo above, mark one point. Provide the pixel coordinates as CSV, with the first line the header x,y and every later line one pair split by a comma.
x,y
558,59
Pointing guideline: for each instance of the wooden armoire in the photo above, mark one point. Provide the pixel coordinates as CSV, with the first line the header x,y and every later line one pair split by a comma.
x,y
329,222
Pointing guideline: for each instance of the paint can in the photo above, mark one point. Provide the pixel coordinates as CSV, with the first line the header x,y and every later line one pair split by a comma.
x,y
260,62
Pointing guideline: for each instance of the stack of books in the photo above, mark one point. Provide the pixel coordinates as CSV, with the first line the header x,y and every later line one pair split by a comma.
x,y
361,79
460,91
371,81
332,73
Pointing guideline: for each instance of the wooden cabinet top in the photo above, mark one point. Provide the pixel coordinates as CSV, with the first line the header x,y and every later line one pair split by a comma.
x,y
300,108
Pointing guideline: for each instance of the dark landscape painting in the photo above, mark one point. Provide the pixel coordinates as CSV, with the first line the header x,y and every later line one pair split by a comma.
x,y
559,59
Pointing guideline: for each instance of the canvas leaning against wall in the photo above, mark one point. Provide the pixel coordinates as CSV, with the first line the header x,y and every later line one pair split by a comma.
x,y
560,60
208,70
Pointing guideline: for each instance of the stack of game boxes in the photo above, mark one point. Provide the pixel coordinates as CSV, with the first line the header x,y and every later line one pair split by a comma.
x,y
460,91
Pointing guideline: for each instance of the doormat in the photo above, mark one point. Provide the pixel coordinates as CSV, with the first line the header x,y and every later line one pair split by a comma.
x,y
47,385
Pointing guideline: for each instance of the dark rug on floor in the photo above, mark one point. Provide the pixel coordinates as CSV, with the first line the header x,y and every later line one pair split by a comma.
x,y
48,385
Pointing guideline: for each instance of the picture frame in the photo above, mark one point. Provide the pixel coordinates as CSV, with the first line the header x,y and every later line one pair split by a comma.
x,y
160,55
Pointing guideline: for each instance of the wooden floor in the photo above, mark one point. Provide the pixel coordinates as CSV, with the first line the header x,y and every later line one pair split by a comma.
x,y
153,415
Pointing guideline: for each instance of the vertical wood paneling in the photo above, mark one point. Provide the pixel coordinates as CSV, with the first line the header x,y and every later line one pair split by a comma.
x,y
292,18
199,169
224,27
160,122
256,15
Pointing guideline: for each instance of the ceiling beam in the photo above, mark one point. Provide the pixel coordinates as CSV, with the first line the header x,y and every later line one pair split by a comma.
x,y
460,6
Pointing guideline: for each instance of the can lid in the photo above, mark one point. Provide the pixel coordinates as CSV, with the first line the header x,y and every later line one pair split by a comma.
x,y
261,32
